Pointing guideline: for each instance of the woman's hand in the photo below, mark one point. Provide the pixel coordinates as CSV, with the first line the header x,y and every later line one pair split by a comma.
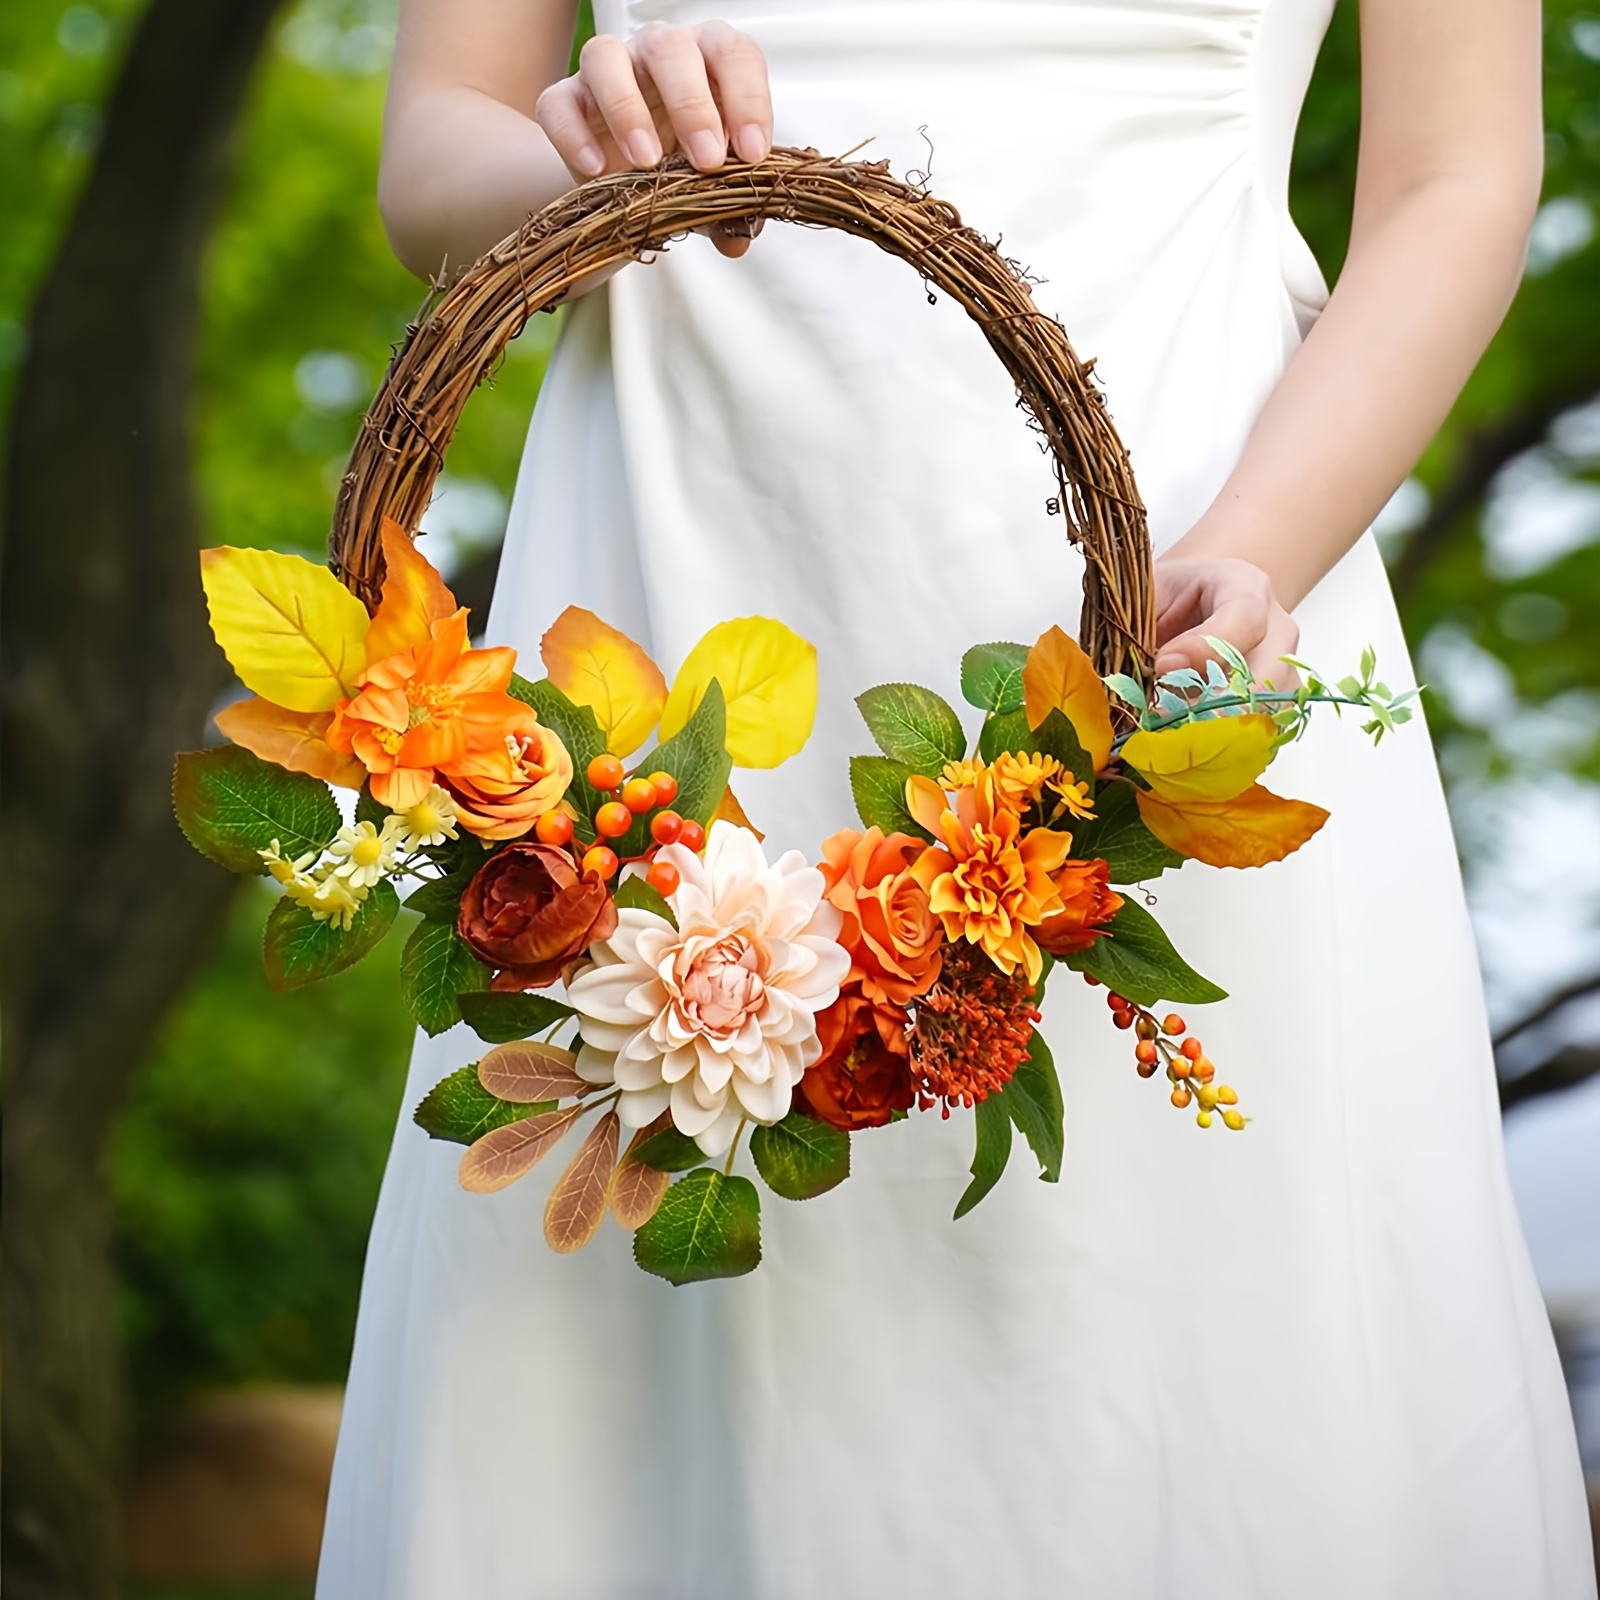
x,y
1228,599
701,89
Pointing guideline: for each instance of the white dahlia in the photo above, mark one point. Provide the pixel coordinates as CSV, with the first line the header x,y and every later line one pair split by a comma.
x,y
716,1018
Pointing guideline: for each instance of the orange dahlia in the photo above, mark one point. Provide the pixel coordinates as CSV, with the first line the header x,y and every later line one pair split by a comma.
x,y
987,881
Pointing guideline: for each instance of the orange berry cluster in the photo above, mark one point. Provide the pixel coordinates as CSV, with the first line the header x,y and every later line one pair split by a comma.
x,y
629,798
1190,1070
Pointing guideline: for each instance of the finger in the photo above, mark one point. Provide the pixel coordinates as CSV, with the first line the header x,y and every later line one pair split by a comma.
x,y
732,239
1241,619
1267,665
676,71
607,71
738,73
563,111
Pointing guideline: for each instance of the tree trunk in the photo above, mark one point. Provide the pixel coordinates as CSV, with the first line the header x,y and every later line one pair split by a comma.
x,y
107,669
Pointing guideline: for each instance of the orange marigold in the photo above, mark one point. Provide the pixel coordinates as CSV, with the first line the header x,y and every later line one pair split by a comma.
x,y
891,933
987,881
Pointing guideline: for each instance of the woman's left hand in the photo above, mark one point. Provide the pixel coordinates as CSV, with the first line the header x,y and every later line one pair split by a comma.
x,y
1228,599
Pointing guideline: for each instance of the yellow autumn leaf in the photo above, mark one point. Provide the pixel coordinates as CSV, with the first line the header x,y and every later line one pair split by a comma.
x,y
296,740
289,628
768,675
1058,676
1210,760
414,597
594,665
1249,830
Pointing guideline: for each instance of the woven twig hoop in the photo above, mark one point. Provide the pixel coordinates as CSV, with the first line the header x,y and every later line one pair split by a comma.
x,y
460,336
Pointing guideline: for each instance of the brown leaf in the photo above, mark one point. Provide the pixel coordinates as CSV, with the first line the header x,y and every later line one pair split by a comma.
x,y
577,1204
636,1189
729,810
526,1073
502,1155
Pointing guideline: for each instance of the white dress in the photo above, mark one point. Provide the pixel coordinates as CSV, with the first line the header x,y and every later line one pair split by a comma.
x,y
1305,1362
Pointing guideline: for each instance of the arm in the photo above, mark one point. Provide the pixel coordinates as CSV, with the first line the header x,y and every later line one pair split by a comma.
x,y
465,157
1446,186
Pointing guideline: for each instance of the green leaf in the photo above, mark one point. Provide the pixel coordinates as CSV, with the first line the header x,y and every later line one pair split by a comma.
x,y
670,1151
707,1226
801,1157
577,729
1002,733
991,677
1128,689
368,809
697,757
879,787
913,725
1056,736
230,804
1135,958
299,950
993,1124
460,1109
638,893
499,1017
439,899
436,967
1119,837
1033,1102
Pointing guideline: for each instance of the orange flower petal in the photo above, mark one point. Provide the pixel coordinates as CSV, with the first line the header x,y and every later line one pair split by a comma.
x,y
402,788
1058,676
1249,830
297,740
414,597
926,802
481,672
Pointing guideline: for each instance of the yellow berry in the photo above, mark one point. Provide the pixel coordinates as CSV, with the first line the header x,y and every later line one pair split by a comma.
x,y
1226,1095
1204,1069
1203,1118
1208,1098
1182,1067
1233,1120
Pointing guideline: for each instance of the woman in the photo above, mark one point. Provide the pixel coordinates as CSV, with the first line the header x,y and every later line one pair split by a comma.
x,y
1306,1362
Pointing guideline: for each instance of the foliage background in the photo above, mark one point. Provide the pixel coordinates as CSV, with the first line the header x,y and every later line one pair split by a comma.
x,y
246,1164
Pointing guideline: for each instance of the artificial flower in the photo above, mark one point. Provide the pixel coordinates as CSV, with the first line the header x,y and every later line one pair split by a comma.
x,y
430,821
863,1075
286,871
987,881
961,774
892,935
972,1030
361,855
1088,902
430,709
501,793
714,1019
327,898
529,911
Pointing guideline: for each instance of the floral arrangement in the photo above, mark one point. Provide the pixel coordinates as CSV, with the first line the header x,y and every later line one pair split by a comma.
x,y
707,988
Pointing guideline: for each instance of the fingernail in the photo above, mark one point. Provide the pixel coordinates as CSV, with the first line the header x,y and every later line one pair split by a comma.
x,y
590,162
644,149
750,142
706,149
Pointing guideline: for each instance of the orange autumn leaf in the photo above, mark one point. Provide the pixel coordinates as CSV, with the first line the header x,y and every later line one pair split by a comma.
x,y
1058,676
594,665
503,1154
526,1073
637,1190
296,740
577,1204
414,597
729,810
1249,830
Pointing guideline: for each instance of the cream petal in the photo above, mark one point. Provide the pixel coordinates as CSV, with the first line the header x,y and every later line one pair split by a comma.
x,y
716,1139
636,1074
680,1064
609,993
594,1066
609,1036
637,1108
765,1102
688,1115
713,1070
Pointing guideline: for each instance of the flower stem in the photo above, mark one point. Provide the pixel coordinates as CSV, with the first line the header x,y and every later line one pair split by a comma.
x,y
733,1149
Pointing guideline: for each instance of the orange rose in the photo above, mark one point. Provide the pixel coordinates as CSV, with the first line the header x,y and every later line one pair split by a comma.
x,y
1087,899
892,935
864,1074
501,793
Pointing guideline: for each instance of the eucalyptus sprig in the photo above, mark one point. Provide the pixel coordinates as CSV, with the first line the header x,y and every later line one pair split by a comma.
x,y
1228,689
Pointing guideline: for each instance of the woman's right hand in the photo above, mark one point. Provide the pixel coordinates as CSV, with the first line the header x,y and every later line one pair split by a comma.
x,y
702,89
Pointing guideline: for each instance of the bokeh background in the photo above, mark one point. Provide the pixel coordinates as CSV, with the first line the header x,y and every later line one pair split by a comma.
x,y
196,302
